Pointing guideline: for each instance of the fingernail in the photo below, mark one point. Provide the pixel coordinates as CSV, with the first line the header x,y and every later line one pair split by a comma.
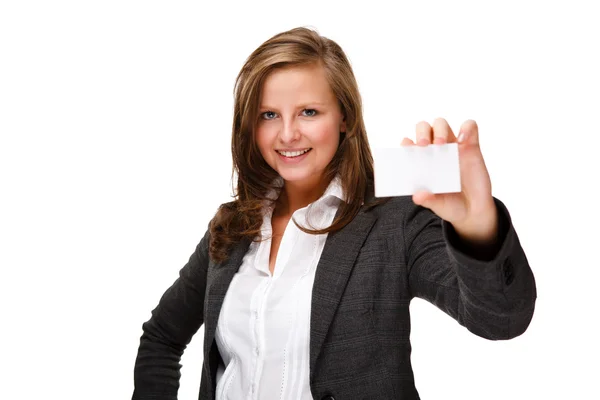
x,y
461,137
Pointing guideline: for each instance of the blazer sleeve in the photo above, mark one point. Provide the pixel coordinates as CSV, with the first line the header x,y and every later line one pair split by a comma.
x,y
492,296
177,317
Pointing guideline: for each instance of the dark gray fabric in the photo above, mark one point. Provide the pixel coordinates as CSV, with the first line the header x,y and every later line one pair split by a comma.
x,y
360,322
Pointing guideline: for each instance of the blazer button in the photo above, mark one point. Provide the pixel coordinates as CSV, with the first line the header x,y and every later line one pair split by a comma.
x,y
328,397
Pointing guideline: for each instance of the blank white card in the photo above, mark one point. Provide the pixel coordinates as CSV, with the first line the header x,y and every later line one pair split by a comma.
x,y
404,170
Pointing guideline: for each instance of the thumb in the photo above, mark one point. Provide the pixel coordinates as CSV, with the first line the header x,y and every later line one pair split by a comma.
x,y
426,199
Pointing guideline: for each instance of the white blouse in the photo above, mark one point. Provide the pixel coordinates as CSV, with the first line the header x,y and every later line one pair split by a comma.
x,y
264,325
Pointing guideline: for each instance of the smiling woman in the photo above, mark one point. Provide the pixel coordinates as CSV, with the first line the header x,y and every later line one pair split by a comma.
x,y
296,92
319,308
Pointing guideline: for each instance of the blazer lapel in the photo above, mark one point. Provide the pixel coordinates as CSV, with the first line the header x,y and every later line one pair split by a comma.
x,y
333,270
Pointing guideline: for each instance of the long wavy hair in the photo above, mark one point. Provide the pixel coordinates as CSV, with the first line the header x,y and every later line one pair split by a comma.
x,y
353,162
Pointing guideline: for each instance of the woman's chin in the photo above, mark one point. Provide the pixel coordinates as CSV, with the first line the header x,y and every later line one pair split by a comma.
x,y
294,177
299,176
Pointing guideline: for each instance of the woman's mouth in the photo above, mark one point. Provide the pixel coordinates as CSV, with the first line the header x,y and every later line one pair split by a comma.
x,y
293,156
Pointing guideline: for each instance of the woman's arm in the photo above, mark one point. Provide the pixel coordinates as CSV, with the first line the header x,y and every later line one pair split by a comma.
x,y
490,291
178,316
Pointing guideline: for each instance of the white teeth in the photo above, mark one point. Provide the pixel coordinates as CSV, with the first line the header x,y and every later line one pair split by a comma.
x,y
292,153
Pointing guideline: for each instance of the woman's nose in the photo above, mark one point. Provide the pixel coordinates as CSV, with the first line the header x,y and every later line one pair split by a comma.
x,y
289,132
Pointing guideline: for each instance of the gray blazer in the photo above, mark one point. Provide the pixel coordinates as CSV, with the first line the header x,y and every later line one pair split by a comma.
x,y
360,323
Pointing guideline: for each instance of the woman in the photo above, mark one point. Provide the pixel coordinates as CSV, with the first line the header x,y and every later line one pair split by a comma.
x,y
319,307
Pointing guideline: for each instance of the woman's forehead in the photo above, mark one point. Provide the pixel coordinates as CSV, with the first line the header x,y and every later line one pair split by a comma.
x,y
301,84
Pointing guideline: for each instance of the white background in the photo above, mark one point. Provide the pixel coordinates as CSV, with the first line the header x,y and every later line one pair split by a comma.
x,y
115,123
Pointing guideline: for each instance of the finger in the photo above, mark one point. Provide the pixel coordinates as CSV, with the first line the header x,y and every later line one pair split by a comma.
x,y
442,133
422,197
469,133
407,142
423,130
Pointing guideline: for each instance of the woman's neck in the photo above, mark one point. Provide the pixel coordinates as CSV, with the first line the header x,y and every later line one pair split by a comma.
x,y
295,196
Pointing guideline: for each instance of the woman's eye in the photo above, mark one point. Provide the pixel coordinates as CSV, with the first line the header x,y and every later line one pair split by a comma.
x,y
308,112
268,115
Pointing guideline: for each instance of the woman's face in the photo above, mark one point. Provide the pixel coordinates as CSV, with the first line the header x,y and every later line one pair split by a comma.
x,y
299,124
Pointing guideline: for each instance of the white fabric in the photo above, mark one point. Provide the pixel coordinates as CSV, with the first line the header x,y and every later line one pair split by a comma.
x,y
264,325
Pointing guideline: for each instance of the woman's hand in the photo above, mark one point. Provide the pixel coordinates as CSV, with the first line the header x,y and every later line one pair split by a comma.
x,y
472,212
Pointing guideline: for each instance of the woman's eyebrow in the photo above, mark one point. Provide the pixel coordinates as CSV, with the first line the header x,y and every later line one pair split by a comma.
x,y
303,105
